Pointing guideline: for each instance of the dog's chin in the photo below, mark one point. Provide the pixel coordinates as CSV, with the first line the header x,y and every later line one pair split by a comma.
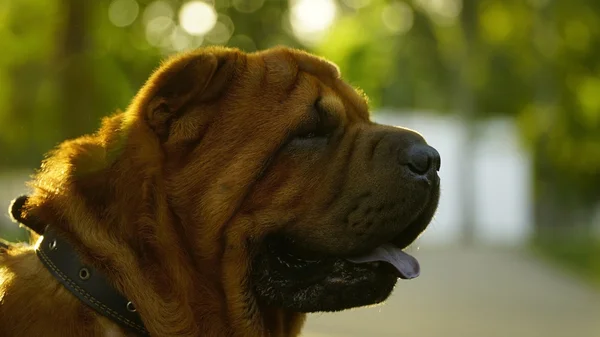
x,y
291,282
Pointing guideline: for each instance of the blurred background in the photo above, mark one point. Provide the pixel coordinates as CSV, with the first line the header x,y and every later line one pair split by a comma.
x,y
507,90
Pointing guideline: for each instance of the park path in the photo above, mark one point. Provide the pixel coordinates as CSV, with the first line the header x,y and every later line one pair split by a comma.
x,y
474,292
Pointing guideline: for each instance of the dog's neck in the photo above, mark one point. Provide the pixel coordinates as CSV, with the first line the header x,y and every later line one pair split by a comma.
x,y
119,218
192,299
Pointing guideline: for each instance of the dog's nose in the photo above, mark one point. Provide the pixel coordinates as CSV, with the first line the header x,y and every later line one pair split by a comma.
x,y
422,158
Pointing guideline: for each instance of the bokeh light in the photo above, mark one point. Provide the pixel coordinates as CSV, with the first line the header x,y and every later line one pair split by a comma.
x,y
122,13
356,4
247,6
156,9
397,17
180,39
587,94
222,31
197,17
497,24
441,12
311,18
158,29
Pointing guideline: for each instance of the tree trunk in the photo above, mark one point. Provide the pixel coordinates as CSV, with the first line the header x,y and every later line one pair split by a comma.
x,y
466,105
76,81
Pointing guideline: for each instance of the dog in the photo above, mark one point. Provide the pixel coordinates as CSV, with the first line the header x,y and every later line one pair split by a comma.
x,y
235,194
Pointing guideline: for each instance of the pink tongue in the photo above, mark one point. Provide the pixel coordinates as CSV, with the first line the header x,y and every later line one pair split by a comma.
x,y
407,266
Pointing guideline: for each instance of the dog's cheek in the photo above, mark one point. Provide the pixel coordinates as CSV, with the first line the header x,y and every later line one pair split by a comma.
x,y
282,187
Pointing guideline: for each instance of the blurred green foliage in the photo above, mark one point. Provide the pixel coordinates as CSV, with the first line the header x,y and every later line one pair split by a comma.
x,y
578,254
66,63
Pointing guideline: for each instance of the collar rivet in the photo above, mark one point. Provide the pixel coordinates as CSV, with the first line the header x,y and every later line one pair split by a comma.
x,y
131,307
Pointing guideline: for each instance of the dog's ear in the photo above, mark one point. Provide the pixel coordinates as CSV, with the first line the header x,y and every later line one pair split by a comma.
x,y
19,214
198,76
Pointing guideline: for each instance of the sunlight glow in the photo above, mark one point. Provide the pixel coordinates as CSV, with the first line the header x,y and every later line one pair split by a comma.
x,y
311,18
197,17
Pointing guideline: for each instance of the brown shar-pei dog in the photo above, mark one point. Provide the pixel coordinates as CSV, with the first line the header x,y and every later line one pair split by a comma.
x,y
236,193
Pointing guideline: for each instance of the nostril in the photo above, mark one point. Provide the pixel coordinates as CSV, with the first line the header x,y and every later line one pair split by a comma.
x,y
422,158
419,160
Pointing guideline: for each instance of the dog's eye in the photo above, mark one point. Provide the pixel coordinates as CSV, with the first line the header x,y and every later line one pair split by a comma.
x,y
318,125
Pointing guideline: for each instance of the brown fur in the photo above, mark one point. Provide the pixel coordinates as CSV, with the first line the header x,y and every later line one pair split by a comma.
x,y
153,198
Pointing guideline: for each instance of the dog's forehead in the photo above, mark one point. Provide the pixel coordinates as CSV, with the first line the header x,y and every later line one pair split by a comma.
x,y
285,64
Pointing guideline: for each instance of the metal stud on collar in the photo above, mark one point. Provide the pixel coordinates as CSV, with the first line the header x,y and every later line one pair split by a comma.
x,y
84,274
131,307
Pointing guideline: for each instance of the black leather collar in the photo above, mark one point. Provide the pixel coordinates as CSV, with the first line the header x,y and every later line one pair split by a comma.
x,y
85,282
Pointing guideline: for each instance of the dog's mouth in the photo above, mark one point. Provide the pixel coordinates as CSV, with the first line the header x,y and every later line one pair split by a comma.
x,y
285,278
289,256
405,264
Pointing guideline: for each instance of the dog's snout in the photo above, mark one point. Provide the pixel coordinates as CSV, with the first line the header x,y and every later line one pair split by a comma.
x,y
409,151
422,158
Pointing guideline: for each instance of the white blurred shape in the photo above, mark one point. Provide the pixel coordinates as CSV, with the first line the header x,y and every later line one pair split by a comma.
x,y
197,17
503,181
311,18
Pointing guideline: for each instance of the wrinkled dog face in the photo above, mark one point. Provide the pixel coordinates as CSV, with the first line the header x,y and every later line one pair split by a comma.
x,y
346,186
275,158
